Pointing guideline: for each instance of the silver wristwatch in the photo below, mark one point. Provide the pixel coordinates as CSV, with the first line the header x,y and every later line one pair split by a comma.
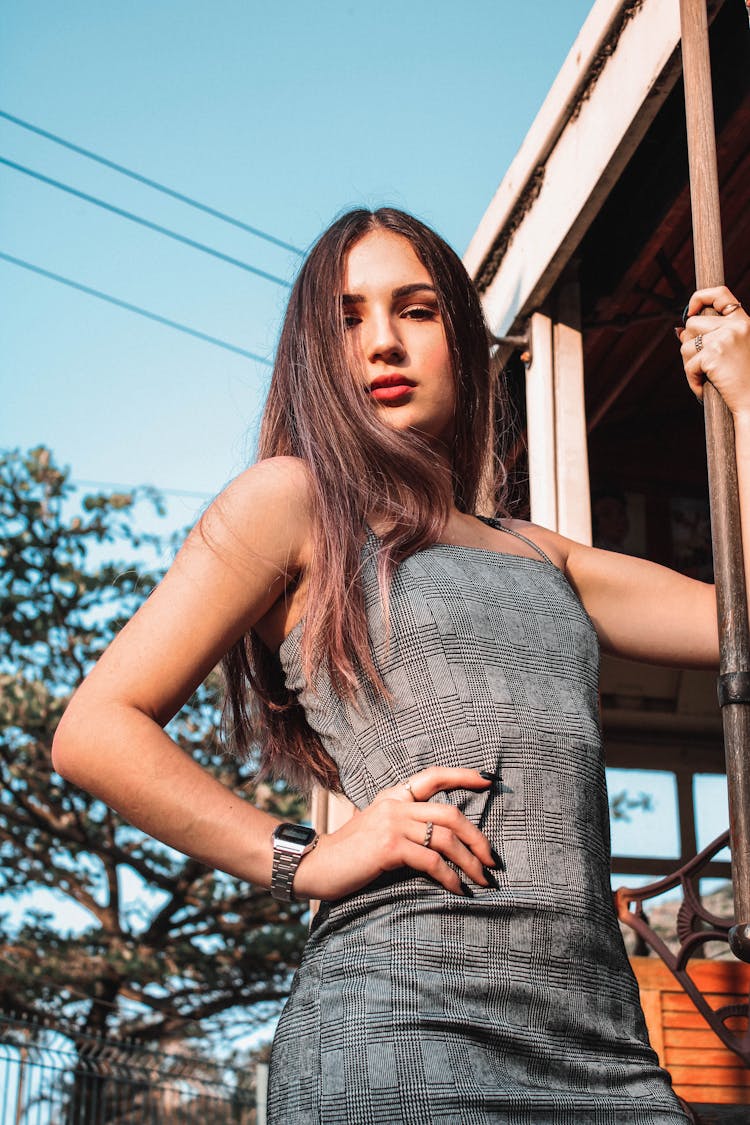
x,y
290,843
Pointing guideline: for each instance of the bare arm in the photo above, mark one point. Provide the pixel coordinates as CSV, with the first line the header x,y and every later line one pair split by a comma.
x,y
724,359
231,575
643,611
227,576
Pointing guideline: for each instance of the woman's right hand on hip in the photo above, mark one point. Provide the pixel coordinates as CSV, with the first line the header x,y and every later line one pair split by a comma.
x,y
394,831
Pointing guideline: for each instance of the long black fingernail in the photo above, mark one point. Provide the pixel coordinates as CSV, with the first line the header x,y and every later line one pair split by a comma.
x,y
499,864
490,877
494,777
466,890
685,314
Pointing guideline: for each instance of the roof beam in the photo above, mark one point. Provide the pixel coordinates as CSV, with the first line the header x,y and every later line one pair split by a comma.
x,y
620,71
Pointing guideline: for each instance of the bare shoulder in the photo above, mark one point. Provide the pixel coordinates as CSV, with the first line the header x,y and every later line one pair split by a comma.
x,y
285,474
246,551
265,485
265,509
641,610
555,545
578,561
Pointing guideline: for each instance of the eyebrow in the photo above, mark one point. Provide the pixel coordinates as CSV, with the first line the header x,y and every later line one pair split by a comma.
x,y
401,291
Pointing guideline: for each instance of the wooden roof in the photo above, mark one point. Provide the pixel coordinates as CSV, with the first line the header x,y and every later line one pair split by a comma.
x,y
612,200
636,268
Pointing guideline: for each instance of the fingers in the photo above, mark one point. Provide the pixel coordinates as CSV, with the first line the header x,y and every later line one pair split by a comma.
x,y
450,821
436,779
392,832
701,326
432,864
450,847
714,345
692,360
452,836
695,375
717,297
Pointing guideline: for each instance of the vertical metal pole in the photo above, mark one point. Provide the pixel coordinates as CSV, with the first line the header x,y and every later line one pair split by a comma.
x,y
734,640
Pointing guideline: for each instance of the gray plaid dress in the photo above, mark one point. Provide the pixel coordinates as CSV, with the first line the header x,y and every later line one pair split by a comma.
x,y
514,1004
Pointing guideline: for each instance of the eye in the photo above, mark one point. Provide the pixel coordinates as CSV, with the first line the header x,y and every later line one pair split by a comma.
x,y
351,321
420,312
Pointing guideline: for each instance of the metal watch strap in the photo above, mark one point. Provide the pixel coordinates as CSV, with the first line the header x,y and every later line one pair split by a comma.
x,y
284,869
287,855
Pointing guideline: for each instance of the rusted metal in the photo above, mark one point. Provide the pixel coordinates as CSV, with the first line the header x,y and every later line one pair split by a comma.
x,y
731,596
695,926
514,342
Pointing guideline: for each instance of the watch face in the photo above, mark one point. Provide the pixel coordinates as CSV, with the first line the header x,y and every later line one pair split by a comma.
x,y
298,834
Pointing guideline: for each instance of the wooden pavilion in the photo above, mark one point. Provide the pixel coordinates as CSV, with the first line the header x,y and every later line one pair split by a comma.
x,y
584,262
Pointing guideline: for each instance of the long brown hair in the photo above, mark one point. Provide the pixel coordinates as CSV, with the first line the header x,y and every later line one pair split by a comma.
x,y
357,466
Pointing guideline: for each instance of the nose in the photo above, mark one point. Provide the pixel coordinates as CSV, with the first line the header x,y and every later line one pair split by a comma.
x,y
383,344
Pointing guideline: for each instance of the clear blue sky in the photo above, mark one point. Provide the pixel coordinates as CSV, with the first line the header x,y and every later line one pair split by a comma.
x,y
280,114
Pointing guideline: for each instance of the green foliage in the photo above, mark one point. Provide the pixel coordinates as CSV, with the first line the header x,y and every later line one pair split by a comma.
x,y
170,942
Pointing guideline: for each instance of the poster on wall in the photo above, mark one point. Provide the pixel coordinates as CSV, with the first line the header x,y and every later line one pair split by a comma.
x,y
690,523
619,521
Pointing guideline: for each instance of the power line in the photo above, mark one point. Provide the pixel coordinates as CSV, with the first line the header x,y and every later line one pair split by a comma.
x,y
151,183
144,222
117,486
135,309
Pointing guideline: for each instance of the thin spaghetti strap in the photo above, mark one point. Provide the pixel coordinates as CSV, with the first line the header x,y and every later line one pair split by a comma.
x,y
509,531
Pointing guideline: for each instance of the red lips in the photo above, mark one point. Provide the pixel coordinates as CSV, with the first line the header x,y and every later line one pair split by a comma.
x,y
391,388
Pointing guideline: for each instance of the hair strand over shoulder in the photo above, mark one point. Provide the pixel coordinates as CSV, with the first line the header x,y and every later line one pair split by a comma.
x,y
317,411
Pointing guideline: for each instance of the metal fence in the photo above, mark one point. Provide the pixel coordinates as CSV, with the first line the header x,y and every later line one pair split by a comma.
x,y
51,1078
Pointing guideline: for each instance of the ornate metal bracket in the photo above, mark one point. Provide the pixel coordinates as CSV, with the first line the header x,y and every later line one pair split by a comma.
x,y
695,926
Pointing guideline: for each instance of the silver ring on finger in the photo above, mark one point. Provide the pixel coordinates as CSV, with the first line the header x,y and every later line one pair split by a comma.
x,y
698,343
730,308
409,790
428,834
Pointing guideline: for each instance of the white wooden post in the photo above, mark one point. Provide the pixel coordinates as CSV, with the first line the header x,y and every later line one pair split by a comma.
x,y
571,444
261,1093
556,418
328,811
540,424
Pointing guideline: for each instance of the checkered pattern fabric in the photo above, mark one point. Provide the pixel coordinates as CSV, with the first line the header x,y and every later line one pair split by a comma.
x,y
516,1005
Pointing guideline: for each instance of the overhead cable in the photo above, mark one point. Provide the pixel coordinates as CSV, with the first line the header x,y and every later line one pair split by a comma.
x,y
144,222
135,309
115,486
151,183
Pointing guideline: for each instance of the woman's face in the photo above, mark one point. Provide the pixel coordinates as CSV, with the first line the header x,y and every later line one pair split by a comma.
x,y
396,338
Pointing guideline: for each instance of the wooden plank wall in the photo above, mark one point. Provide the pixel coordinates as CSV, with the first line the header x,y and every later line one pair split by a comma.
x,y
703,1070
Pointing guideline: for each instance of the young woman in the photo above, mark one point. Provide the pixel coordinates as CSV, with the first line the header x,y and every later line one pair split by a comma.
x,y
440,668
